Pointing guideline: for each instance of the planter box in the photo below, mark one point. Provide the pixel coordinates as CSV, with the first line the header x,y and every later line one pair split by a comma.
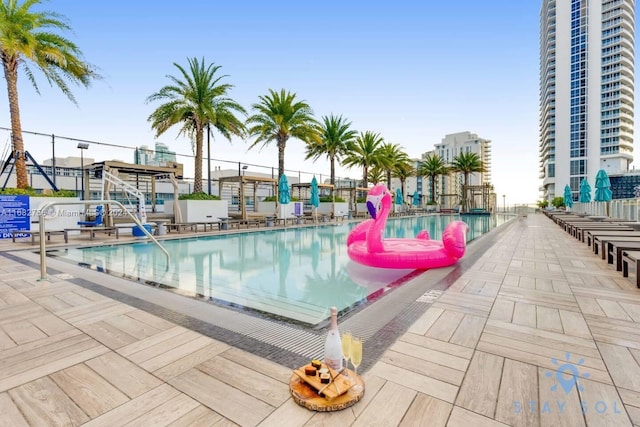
x,y
284,211
199,210
336,209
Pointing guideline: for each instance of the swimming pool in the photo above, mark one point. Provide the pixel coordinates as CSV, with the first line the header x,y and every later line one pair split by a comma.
x,y
294,274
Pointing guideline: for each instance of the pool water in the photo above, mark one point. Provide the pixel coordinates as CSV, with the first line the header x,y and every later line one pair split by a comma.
x,y
295,273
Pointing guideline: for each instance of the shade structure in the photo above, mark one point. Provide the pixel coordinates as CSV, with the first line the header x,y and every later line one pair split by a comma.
x,y
416,198
603,187
315,193
398,197
568,197
585,191
284,195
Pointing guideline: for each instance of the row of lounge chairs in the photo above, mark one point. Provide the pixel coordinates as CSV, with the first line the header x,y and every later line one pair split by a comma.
x,y
616,240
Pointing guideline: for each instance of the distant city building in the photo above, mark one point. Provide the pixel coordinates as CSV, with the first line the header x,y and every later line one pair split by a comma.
x,y
586,91
449,187
143,155
68,162
163,154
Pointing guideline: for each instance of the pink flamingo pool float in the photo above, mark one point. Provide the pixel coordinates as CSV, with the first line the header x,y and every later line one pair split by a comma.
x,y
366,243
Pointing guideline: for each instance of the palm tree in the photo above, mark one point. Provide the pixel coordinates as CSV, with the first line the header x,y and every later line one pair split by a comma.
x,y
432,166
376,175
467,163
29,38
364,152
197,99
390,156
278,117
335,137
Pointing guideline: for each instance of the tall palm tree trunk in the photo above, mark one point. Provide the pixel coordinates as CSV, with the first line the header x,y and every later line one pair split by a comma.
x,y
332,161
365,179
433,188
282,143
197,185
11,75
389,179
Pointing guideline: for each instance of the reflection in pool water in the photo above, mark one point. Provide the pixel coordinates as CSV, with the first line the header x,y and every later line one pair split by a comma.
x,y
295,273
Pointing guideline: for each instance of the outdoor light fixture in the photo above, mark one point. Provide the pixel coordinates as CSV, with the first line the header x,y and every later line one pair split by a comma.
x,y
82,146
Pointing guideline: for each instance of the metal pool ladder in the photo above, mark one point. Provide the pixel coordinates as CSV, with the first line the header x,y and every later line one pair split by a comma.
x,y
44,208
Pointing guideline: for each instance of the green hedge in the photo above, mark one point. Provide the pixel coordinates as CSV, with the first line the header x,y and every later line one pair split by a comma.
x,y
274,198
33,193
198,196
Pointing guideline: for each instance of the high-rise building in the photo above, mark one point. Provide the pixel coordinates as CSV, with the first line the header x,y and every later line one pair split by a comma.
x,y
586,91
450,187
163,154
143,155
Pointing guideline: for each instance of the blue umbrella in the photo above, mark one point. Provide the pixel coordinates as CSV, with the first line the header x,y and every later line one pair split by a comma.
x,y
416,198
284,196
603,187
585,191
315,196
398,197
568,197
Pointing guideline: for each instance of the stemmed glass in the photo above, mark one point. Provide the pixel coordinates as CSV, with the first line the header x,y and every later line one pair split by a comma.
x,y
356,358
346,349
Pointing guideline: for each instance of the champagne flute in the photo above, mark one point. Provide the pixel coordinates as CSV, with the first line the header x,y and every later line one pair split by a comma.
x,y
356,358
346,349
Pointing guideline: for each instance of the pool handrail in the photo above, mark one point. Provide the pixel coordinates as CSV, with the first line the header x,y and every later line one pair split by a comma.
x,y
43,209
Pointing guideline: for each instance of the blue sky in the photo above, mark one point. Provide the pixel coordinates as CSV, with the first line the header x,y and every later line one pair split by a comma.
x,y
412,71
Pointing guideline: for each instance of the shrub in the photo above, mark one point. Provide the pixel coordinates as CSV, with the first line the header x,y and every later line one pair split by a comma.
x,y
543,203
361,200
557,202
329,199
33,193
198,196
432,203
274,198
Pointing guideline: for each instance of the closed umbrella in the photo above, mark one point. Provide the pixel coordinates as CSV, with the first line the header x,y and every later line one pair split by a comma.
x,y
284,196
603,187
416,198
585,191
315,196
568,197
398,200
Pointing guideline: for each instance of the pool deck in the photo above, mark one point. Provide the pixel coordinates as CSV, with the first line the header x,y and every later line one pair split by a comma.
x,y
478,354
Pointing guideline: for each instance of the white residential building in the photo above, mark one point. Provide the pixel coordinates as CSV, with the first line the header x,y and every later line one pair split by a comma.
x,y
586,91
449,188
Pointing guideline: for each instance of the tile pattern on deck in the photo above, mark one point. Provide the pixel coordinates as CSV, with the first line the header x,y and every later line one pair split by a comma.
x,y
485,353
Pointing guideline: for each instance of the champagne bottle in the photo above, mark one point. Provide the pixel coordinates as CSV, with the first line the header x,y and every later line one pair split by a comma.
x,y
333,344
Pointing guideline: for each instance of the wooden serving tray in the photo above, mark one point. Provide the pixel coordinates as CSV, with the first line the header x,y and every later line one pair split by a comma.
x,y
343,383
304,394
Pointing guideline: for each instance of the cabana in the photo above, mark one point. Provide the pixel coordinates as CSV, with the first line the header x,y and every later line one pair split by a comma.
x,y
243,192
142,177
303,192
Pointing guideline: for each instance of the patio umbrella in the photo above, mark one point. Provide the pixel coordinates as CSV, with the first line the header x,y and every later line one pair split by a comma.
x,y
398,201
585,191
315,197
416,198
284,196
568,197
398,197
603,187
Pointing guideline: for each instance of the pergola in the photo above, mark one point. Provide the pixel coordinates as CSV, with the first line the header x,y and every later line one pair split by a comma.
x,y
238,183
142,177
305,188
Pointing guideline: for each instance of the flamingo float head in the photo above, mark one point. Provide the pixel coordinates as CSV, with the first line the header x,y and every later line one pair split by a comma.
x,y
377,199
